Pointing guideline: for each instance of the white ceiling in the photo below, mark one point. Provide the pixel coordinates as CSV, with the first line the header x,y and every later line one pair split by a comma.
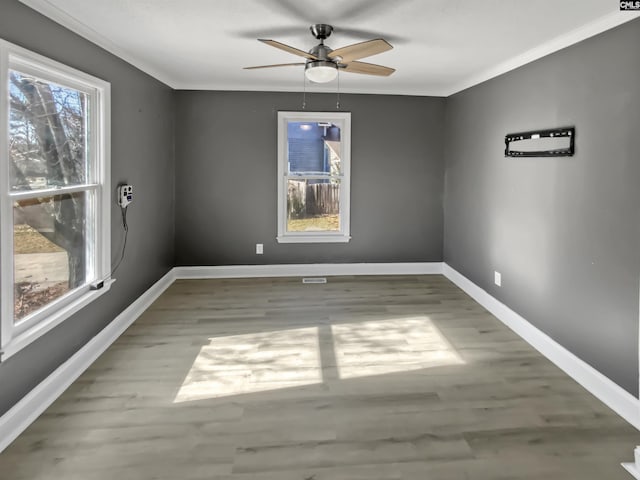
x,y
441,46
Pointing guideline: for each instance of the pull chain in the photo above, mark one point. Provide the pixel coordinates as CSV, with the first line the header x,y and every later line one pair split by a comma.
x,y
338,95
304,90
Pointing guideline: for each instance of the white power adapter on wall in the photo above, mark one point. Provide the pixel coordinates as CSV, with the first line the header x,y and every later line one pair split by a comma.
x,y
125,195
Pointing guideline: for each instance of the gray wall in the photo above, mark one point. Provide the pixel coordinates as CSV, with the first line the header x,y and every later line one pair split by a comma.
x,y
564,232
142,154
226,179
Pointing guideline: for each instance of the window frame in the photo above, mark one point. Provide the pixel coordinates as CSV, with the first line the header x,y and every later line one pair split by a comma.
x,y
344,120
16,335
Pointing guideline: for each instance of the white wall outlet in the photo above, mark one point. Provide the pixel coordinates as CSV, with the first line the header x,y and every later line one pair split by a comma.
x,y
497,278
259,249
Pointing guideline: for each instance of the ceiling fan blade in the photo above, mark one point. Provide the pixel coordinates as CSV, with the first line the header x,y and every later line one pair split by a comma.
x,y
361,50
276,65
368,69
287,48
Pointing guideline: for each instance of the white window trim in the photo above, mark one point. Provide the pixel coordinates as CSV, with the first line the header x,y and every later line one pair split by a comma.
x,y
14,337
343,236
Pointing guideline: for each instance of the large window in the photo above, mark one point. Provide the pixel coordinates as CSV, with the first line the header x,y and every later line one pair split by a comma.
x,y
54,209
313,176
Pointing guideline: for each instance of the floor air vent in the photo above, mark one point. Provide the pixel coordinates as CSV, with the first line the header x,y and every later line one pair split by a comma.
x,y
314,280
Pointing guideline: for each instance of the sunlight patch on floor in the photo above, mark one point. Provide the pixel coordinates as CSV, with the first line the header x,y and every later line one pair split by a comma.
x,y
272,360
253,362
389,346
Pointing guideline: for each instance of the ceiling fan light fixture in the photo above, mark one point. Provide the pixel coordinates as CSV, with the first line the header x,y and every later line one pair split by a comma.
x,y
321,71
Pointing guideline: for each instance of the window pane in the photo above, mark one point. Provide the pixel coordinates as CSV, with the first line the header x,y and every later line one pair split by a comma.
x,y
313,147
313,205
50,250
47,134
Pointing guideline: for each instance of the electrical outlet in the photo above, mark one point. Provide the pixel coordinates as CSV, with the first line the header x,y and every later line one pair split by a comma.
x,y
497,278
259,249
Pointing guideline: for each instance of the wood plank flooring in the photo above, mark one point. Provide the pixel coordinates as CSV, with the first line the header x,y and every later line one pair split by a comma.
x,y
376,378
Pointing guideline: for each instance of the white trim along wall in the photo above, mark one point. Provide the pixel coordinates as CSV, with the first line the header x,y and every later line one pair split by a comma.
x,y
16,420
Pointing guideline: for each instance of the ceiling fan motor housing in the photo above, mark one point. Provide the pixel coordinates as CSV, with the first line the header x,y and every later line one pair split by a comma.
x,y
321,52
321,30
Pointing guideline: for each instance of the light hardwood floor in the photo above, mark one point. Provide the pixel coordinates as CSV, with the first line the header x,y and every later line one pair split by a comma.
x,y
376,378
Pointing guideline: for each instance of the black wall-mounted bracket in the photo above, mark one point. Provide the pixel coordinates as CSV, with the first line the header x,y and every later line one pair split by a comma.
x,y
569,132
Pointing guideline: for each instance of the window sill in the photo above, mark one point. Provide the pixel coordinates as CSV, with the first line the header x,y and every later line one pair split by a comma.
x,y
23,339
313,238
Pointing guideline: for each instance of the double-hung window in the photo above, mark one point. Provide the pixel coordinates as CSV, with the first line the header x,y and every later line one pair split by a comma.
x,y
54,187
314,152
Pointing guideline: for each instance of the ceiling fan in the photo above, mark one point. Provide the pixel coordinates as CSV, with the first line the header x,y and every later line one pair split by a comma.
x,y
322,62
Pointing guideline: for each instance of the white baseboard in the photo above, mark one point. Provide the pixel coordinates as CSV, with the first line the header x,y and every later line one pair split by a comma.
x,y
632,469
30,407
607,391
301,270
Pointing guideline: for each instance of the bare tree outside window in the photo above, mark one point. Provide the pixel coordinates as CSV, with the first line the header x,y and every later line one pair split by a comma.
x,y
48,131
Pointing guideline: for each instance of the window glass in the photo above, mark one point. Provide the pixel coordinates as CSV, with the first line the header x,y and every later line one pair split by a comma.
x,y
47,134
313,147
49,250
313,206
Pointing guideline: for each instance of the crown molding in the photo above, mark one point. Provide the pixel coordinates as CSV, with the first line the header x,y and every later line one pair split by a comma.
x,y
565,40
46,8
439,92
